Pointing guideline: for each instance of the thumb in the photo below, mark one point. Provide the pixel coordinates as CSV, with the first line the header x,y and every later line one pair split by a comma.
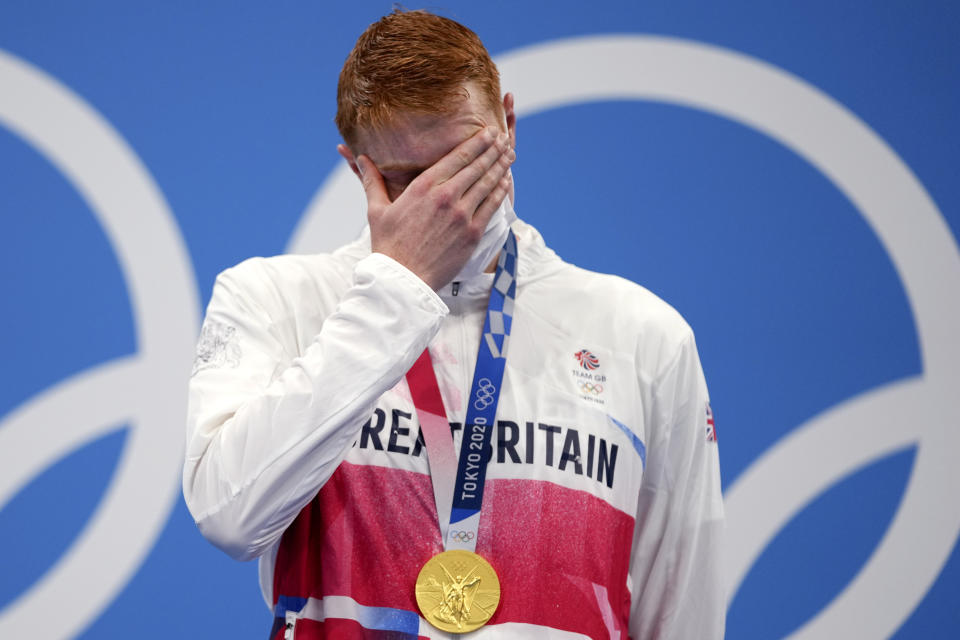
x,y
372,182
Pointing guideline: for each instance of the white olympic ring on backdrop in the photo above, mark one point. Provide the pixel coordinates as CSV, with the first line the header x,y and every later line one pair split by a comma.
x,y
845,438
147,390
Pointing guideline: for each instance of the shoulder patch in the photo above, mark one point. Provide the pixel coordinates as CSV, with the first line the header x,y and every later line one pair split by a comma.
x,y
711,426
218,347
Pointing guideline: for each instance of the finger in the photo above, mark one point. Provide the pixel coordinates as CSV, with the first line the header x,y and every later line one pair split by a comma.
x,y
481,189
373,184
462,155
470,174
347,155
491,203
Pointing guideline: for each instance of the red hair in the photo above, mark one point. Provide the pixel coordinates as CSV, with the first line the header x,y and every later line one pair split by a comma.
x,y
411,61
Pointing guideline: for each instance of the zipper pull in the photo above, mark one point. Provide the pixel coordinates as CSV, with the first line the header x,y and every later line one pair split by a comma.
x,y
456,288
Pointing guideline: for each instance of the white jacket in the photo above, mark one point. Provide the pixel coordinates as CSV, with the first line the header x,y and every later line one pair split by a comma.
x,y
603,510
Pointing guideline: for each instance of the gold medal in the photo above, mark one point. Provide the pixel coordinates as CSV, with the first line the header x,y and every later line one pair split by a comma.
x,y
457,591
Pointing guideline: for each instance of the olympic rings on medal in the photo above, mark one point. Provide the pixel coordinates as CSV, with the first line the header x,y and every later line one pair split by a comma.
x,y
462,536
589,387
485,393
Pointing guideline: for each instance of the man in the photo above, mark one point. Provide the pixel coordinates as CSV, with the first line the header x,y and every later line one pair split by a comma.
x,y
579,496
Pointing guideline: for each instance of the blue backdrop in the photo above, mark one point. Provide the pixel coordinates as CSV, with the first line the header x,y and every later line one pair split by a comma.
x,y
782,173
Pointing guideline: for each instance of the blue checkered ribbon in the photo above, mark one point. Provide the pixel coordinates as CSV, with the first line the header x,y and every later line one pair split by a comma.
x,y
485,396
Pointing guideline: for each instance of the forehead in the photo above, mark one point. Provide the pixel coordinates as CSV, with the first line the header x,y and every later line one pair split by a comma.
x,y
415,141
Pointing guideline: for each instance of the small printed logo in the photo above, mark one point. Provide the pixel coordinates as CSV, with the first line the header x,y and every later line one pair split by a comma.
x,y
589,387
711,427
462,536
485,393
586,378
587,360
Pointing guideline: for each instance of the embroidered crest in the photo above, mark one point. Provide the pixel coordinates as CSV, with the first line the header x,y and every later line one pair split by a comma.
x,y
218,347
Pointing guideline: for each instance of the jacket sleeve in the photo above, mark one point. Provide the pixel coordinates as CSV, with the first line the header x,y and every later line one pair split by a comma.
x,y
678,591
267,427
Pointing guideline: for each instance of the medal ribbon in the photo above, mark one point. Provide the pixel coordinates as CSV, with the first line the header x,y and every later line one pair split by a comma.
x,y
458,488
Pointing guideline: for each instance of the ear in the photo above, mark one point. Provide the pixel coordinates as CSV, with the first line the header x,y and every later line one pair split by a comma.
x,y
511,118
347,155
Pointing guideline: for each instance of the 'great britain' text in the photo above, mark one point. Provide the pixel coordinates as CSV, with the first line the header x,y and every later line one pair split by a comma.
x,y
563,448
